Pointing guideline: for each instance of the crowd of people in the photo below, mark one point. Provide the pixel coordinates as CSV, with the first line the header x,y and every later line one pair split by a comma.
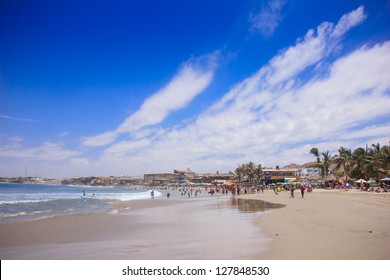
x,y
238,189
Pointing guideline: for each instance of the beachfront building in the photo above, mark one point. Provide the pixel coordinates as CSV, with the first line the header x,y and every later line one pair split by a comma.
x,y
275,175
218,177
161,178
128,181
186,176
310,173
88,181
105,181
177,177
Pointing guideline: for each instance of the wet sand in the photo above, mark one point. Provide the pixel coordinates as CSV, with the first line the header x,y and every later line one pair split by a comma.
x,y
327,225
199,228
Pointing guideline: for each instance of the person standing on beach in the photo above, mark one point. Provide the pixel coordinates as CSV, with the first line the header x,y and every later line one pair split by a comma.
x,y
303,190
152,193
292,191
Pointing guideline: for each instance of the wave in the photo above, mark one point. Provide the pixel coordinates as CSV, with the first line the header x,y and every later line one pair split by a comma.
x,y
139,195
23,213
65,198
127,196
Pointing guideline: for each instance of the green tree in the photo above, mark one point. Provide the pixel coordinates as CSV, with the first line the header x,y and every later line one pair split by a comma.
x,y
258,172
240,172
343,160
322,163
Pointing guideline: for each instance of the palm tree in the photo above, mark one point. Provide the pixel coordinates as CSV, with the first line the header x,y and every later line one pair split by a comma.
x,y
259,172
250,171
368,162
360,162
315,152
384,161
324,163
240,172
343,159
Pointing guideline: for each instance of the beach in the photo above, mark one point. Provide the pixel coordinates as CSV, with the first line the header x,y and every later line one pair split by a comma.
x,y
326,224
215,227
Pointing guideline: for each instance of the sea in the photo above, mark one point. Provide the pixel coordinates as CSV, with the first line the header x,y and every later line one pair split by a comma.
x,y
33,201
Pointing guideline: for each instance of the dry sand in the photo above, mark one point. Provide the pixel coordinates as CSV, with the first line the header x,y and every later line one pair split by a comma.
x,y
327,224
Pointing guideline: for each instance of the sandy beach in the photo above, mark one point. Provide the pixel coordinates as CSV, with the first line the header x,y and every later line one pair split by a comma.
x,y
327,225
324,225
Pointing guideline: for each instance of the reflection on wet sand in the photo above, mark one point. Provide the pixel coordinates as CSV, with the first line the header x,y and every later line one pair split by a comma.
x,y
252,205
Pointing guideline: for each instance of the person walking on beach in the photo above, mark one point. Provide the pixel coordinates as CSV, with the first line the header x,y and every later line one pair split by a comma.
x,y
303,190
292,191
152,193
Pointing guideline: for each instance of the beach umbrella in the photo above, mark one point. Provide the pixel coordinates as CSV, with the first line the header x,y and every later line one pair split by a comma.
x,y
371,181
385,179
361,181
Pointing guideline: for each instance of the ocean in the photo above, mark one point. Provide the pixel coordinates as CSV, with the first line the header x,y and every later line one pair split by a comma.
x,y
32,201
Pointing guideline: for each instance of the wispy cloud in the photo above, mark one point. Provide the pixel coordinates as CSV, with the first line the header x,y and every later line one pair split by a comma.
x,y
192,78
48,150
268,19
6,117
281,111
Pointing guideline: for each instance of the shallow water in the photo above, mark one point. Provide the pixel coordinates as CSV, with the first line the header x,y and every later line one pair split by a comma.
x,y
31,201
203,228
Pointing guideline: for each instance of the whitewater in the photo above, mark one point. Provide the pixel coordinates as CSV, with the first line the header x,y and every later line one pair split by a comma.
x,y
33,201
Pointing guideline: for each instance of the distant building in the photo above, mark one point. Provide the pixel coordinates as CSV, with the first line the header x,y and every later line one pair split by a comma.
x,y
187,176
275,175
162,178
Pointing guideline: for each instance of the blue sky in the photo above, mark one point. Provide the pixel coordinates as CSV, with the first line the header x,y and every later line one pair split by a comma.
x,y
134,87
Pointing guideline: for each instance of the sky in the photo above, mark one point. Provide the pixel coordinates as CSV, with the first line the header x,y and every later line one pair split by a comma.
x,y
118,88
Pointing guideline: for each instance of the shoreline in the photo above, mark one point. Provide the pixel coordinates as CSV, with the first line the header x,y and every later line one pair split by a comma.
x,y
203,228
326,225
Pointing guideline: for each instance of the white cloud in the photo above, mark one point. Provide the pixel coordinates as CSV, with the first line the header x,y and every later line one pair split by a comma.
x,y
51,151
6,117
353,18
277,115
101,139
192,78
183,88
269,18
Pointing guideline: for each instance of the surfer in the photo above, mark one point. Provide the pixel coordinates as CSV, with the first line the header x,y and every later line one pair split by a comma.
x,y
83,193
93,196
